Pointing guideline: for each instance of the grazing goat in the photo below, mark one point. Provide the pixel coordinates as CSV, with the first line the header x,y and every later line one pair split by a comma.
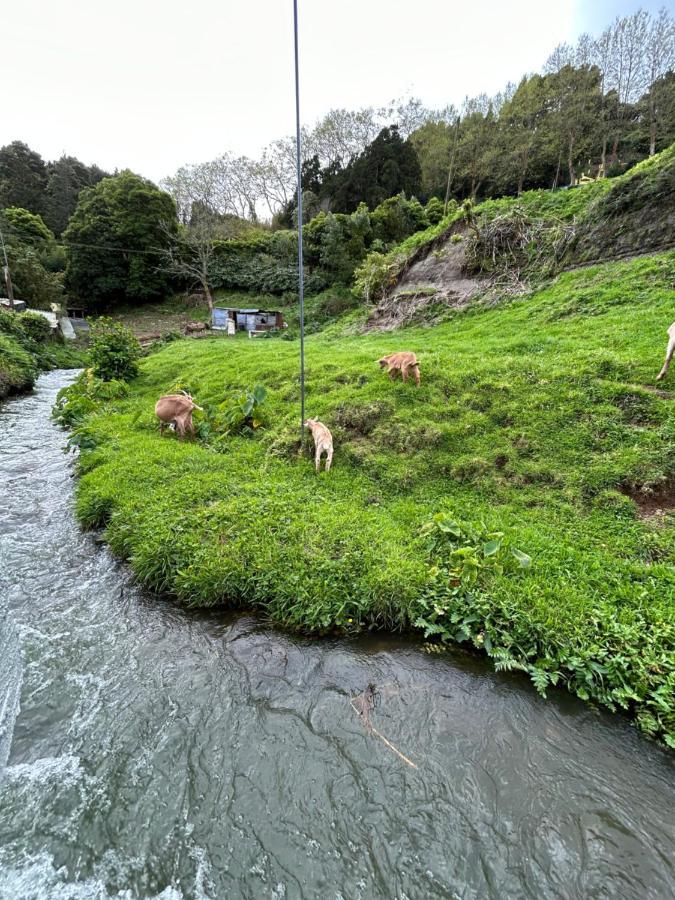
x,y
176,408
323,442
404,362
670,350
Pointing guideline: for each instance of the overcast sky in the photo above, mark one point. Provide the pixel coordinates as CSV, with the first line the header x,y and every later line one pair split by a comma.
x,y
153,85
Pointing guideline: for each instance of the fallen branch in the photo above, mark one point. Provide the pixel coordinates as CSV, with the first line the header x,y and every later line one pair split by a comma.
x,y
367,702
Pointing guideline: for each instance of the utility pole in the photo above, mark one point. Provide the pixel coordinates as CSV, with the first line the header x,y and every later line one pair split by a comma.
x,y
5,270
301,273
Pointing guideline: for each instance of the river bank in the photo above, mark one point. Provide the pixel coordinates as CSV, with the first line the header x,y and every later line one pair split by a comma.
x,y
537,418
169,754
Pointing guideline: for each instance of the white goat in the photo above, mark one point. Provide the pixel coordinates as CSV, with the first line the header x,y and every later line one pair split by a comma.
x,y
670,350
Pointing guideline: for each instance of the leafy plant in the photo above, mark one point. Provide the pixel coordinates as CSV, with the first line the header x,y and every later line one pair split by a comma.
x,y
85,396
243,413
114,351
463,557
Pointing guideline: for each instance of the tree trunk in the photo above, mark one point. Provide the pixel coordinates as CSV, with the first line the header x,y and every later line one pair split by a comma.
x,y
523,170
207,294
557,173
652,125
570,163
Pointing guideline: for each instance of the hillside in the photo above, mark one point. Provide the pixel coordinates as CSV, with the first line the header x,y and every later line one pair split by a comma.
x,y
538,418
501,246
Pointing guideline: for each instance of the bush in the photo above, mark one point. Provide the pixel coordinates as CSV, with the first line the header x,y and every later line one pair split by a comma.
x,y
35,326
86,395
114,351
434,211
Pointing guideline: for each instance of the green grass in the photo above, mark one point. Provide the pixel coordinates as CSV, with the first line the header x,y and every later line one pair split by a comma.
x,y
18,369
534,417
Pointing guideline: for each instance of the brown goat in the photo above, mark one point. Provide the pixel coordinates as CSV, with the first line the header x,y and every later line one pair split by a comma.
x,y
670,350
176,409
403,362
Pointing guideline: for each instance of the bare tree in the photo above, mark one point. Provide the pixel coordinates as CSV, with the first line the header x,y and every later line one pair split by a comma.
x,y
191,254
562,56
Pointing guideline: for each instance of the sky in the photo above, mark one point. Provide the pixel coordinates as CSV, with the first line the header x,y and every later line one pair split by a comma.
x,y
151,86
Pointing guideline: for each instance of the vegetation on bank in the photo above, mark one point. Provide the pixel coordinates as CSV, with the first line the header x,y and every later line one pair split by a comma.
x,y
535,433
26,347
540,232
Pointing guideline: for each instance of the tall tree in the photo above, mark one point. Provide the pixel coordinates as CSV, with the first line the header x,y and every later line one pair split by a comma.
x,y
658,59
65,179
386,167
116,238
23,177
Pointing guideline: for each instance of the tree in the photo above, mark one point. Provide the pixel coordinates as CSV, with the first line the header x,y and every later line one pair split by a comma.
x,y
25,227
116,238
191,252
658,60
433,145
577,108
386,167
23,177
66,177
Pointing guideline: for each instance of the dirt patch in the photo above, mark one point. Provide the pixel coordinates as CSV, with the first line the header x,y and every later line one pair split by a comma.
x,y
655,504
432,283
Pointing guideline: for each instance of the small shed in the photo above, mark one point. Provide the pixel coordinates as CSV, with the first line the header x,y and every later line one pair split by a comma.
x,y
251,320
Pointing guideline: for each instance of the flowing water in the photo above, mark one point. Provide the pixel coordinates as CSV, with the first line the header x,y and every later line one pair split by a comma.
x,y
148,752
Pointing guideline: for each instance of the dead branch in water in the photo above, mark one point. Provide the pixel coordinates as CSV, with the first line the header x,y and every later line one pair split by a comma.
x,y
362,704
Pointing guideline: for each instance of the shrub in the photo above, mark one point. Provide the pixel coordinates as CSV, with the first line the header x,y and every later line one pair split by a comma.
x,y
376,273
86,395
462,557
114,351
35,326
434,211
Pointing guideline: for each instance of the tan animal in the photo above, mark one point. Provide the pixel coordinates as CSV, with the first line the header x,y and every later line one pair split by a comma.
x,y
323,442
404,362
670,350
176,409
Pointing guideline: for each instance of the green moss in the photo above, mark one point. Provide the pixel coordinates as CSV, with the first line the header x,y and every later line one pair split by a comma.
x,y
532,417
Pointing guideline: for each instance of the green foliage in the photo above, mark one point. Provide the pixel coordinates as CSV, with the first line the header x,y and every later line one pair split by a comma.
x,y
26,228
386,167
26,346
32,282
18,367
23,177
35,326
397,218
115,238
243,413
86,395
434,210
114,351
66,177
463,557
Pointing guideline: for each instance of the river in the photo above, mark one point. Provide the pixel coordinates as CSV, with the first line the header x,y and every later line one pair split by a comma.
x,y
150,752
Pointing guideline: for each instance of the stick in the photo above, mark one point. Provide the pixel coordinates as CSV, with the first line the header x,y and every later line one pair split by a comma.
x,y
371,727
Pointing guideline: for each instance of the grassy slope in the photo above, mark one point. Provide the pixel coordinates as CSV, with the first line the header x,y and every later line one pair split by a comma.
x,y
530,417
615,217
18,369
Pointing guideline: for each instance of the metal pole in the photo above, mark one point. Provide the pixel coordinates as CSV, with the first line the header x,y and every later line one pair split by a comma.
x,y
301,286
